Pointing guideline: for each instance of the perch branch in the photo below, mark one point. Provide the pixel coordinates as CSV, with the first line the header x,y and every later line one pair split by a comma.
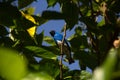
x,y
61,53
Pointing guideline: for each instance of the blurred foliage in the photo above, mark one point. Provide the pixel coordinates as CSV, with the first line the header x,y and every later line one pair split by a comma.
x,y
11,63
95,42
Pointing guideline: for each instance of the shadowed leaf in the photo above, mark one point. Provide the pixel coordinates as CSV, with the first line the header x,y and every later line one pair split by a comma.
x,y
41,52
52,15
24,3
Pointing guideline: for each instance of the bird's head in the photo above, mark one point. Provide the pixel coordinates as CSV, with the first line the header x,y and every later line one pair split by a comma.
x,y
52,33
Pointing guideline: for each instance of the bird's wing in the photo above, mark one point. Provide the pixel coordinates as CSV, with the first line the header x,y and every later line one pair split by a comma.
x,y
66,43
58,36
56,42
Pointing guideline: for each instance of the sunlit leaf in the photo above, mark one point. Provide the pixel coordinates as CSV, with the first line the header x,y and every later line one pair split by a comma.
x,y
23,23
104,72
32,29
23,38
97,0
75,1
85,75
72,75
29,10
51,2
96,5
88,13
49,40
12,65
38,76
101,23
78,75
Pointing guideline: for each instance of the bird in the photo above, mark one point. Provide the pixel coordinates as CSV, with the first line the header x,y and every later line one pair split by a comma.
x,y
66,48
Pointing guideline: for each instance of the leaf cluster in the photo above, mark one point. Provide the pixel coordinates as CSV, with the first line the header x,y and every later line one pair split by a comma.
x,y
96,26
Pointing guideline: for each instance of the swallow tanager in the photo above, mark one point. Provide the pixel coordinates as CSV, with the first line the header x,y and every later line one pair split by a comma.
x,y
66,48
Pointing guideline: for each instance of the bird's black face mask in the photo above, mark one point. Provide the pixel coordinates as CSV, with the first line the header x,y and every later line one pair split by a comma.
x,y
52,33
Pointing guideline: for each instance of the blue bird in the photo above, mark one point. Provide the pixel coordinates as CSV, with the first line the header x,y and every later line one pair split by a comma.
x,y
66,48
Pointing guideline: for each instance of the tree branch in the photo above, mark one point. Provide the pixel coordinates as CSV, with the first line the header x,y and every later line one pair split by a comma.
x,y
61,53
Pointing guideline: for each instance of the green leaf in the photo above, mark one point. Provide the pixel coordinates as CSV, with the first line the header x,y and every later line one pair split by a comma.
x,y
88,59
85,2
114,6
6,42
74,45
49,66
29,10
72,75
24,3
8,13
8,1
88,13
75,1
70,11
3,31
101,23
52,15
23,36
39,38
104,72
85,75
78,75
23,23
12,65
39,20
49,40
84,10
95,5
82,42
38,76
41,52
103,41
53,49
51,2
90,22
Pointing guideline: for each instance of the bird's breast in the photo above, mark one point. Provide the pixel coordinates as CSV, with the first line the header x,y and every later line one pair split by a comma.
x,y
60,42
65,47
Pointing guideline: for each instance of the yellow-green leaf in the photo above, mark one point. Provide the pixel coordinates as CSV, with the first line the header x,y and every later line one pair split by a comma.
x,y
12,65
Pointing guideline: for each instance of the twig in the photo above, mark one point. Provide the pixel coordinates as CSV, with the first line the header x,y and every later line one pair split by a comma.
x,y
80,13
91,6
61,57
